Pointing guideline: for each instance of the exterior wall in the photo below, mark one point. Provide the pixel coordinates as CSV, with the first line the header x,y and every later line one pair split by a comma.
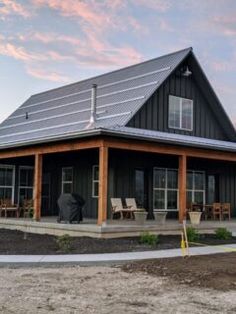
x,y
82,163
122,166
17,162
122,184
226,173
154,114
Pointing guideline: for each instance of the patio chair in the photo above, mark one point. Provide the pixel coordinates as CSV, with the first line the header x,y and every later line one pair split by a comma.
x,y
8,207
117,207
225,210
27,208
216,210
132,205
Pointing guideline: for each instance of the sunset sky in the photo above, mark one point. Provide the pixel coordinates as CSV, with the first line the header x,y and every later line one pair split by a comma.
x,y
49,43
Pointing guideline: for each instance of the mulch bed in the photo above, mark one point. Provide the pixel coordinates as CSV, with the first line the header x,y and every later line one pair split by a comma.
x,y
14,242
210,271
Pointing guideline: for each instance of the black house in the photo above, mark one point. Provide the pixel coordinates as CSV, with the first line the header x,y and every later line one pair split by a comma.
x,y
154,131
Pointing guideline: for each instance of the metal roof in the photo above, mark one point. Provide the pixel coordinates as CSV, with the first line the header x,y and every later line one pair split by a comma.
x,y
65,112
171,138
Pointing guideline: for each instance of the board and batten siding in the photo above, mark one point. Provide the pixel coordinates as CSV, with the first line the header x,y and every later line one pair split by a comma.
x,y
154,114
82,163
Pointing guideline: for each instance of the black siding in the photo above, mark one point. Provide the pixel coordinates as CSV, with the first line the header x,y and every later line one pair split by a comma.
x,y
154,114
82,163
122,165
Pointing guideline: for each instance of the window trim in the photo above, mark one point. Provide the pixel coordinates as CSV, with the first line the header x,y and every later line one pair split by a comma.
x,y
66,182
95,181
13,180
165,189
181,113
24,187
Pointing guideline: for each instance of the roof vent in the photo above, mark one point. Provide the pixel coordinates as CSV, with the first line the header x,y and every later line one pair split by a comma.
x,y
26,115
93,104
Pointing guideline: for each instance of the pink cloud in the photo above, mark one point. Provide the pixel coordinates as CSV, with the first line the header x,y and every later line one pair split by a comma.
x,y
48,38
112,57
18,53
225,23
82,9
55,56
159,5
45,75
100,53
221,66
9,7
136,25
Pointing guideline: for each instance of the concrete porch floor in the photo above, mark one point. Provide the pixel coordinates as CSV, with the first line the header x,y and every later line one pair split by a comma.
x,y
110,229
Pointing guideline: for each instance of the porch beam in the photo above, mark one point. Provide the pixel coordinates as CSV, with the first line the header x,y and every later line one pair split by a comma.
x,y
182,175
38,174
103,184
50,148
170,149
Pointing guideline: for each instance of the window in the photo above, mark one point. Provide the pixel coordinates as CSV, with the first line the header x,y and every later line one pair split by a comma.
x,y
7,182
95,183
180,113
67,180
26,183
196,187
165,189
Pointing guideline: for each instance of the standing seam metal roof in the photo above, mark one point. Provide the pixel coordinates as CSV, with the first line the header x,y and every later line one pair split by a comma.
x,y
66,110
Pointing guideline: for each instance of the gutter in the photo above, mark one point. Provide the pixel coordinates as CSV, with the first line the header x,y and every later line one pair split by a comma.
x,y
118,134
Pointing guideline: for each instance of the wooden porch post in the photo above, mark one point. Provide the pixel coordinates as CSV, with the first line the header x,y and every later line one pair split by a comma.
x,y
182,186
38,173
103,182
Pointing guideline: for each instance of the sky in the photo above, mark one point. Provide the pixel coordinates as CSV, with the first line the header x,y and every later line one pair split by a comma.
x,y
49,43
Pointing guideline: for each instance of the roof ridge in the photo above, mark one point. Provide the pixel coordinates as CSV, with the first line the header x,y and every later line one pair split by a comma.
x,y
111,72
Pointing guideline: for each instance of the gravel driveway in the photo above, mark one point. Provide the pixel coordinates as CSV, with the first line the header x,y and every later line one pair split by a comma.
x,y
101,290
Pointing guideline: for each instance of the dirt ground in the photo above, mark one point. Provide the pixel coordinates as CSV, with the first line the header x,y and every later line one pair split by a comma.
x,y
210,271
122,289
13,242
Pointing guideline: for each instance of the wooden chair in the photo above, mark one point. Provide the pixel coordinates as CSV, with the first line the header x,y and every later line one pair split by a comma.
x,y
216,210
8,207
225,210
132,206
28,206
117,207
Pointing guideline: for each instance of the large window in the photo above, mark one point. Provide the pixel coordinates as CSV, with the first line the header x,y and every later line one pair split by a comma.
x,y
95,183
165,189
26,183
196,187
180,113
67,180
7,182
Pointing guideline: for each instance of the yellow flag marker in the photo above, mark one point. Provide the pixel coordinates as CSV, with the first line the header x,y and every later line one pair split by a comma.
x,y
182,245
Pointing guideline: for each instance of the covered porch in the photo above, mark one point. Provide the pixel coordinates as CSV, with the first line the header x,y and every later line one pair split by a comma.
x,y
112,167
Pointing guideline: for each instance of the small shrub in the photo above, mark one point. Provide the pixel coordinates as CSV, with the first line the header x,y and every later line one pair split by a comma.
x,y
149,239
223,234
64,243
192,234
